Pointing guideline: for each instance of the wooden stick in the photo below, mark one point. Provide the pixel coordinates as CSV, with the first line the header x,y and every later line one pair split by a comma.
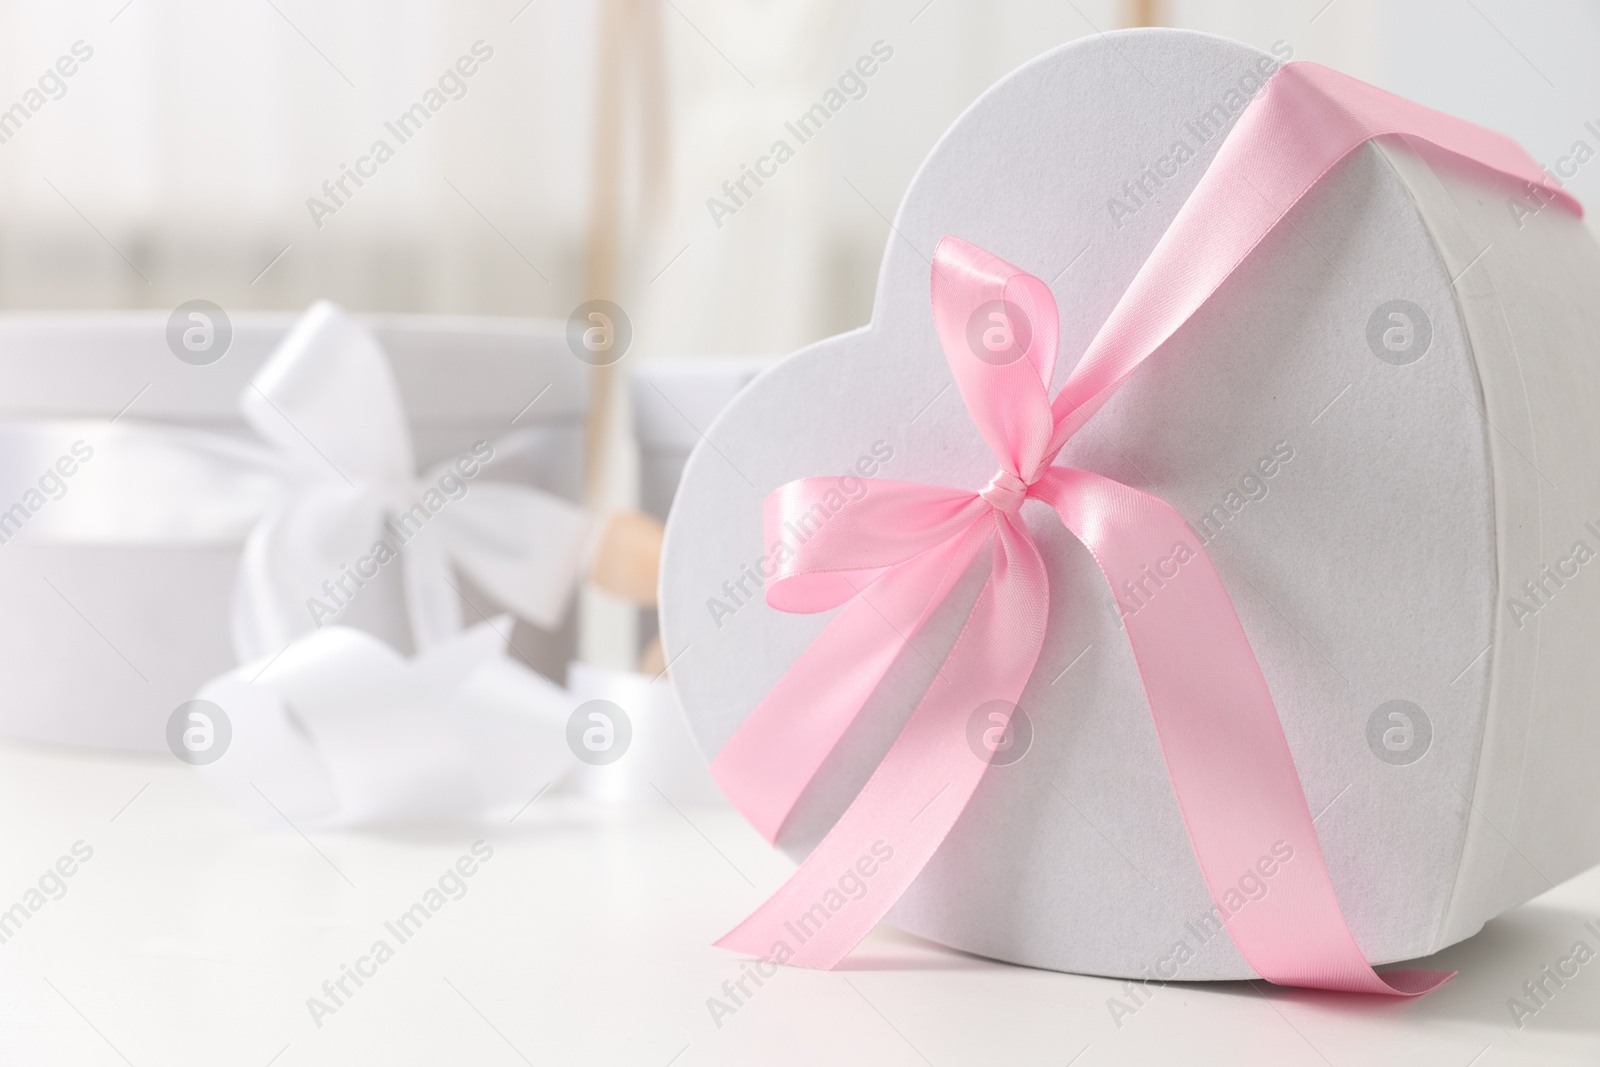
x,y
1145,12
630,82
612,53
627,562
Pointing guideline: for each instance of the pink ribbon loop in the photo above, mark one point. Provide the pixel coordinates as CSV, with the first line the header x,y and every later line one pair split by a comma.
x,y
893,555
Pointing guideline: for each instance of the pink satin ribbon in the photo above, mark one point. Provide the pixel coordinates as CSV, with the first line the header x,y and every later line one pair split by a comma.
x,y
892,556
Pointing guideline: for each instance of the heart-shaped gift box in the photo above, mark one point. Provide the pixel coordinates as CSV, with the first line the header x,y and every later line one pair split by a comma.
x,y
1380,427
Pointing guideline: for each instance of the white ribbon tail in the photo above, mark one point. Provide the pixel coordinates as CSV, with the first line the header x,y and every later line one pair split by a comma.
x,y
527,548
341,730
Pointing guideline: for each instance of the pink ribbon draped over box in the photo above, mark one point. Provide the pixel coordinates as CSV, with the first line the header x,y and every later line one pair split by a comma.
x,y
891,557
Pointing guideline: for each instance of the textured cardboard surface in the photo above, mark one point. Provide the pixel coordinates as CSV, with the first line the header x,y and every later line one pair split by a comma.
x,y
1369,571
1527,290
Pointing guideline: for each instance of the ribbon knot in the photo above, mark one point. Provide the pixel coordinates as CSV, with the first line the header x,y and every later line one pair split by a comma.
x,y
1005,492
890,559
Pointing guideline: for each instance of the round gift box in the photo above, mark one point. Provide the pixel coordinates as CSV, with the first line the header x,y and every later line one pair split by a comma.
x,y
101,641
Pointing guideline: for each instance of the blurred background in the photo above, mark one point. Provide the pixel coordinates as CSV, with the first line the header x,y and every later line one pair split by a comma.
x,y
187,154
520,158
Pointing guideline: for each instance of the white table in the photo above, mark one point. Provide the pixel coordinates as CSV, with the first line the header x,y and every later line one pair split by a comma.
x,y
190,938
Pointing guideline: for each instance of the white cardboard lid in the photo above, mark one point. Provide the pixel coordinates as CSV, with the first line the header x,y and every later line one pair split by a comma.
x,y
674,400
451,370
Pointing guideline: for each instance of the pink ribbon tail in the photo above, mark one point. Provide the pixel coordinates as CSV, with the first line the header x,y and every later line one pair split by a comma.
x,y
1232,774
909,804
776,751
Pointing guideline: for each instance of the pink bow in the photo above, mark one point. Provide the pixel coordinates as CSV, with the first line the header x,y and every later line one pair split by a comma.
x,y
892,556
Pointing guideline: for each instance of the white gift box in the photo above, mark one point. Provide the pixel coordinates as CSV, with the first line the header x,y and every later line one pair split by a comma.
x,y
1384,430
673,402
103,641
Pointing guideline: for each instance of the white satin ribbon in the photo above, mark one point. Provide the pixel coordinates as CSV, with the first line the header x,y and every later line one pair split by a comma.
x,y
662,763
333,463
340,730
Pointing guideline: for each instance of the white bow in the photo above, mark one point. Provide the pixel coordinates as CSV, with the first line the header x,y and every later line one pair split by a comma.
x,y
332,477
